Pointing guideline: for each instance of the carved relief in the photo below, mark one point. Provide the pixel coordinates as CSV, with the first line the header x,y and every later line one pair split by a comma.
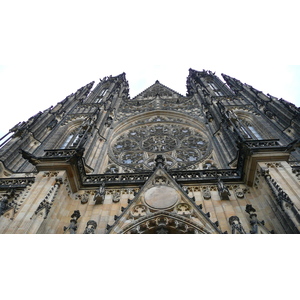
x,y
184,209
138,211
239,193
166,223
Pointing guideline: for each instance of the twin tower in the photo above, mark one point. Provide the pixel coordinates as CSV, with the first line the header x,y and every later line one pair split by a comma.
x,y
224,158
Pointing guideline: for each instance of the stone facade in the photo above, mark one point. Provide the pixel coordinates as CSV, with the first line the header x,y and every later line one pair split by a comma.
x,y
224,158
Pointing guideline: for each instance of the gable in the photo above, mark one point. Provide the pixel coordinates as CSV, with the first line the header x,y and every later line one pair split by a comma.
x,y
162,206
157,90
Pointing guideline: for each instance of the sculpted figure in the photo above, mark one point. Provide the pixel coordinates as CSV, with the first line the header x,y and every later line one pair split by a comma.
x,y
100,194
223,190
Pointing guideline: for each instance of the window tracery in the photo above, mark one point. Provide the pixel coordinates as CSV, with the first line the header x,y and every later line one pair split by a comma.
x,y
181,145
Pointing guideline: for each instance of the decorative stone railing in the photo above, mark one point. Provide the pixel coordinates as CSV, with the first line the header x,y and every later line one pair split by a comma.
x,y
16,182
60,152
179,176
262,143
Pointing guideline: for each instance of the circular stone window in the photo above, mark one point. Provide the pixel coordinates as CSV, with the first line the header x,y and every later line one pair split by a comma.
x,y
181,146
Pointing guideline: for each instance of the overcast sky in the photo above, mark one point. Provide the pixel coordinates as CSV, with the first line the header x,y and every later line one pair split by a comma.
x,y
50,49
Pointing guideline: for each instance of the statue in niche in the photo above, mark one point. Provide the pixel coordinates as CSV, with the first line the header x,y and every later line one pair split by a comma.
x,y
100,194
223,190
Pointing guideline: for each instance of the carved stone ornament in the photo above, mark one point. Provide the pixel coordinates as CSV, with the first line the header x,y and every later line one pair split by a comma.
x,y
165,222
44,205
183,209
138,211
236,226
116,197
84,198
206,194
72,228
90,227
239,193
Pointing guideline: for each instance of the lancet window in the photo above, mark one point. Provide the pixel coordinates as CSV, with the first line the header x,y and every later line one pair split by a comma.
x,y
67,141
4,141
215,89
72,140
101,95
249,131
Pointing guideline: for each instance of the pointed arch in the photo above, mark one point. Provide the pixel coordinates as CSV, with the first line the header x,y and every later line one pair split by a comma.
x,y
252,126
164,222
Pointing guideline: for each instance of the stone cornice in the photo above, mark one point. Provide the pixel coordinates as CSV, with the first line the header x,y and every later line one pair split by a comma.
x,y
72,161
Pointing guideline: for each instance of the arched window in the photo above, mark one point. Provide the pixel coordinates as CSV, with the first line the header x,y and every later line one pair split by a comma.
x,y
67,141
4,141
101,95
249,131
254,132
215,89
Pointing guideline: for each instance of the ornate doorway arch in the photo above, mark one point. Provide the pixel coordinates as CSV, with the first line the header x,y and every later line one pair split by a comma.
x,y
163,222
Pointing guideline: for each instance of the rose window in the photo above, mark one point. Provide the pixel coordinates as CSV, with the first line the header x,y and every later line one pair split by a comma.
x,y
181,146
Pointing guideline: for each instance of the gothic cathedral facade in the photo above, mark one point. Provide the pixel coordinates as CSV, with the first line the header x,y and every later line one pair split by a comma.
x,y
224,158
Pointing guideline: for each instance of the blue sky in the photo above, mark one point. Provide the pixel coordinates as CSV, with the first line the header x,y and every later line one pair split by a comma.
x,y
50,49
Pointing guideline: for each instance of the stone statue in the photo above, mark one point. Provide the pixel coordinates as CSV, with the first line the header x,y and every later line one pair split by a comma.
x,y
223,190
90,227
236,226
100,194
